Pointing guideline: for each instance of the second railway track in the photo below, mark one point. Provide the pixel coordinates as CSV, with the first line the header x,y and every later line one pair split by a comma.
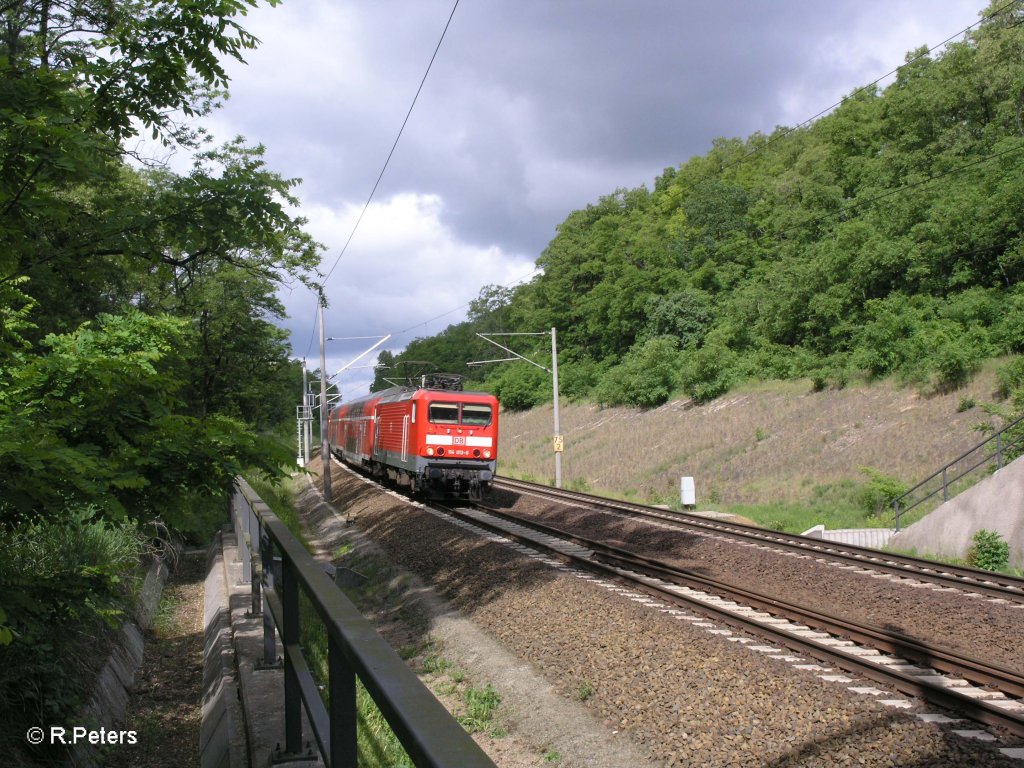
x,y
684,680
993,585
981,691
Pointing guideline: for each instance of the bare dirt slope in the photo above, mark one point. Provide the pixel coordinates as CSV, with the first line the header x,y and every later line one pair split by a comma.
x,y
777,442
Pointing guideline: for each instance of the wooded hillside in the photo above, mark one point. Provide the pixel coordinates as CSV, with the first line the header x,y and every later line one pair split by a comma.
x,y
139,359
883,239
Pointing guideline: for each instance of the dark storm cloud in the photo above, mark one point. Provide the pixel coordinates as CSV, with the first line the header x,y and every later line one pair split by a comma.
x,y
589,96
590,86
532,109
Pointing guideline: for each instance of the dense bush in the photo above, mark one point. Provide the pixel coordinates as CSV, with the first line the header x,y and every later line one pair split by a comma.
x,y
1010,378
958,358
578,376
61,582
879,492
522,386
646,377
988,551
1008,325
708,372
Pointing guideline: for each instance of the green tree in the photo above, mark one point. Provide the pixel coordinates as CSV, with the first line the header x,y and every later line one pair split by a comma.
x,y
646,377
883,239
521,386
100,419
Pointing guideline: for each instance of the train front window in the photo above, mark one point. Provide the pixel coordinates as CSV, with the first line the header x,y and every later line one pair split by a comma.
x,y
474,415
444,413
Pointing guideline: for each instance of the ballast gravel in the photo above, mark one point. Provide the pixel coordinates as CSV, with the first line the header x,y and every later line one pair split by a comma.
x,y
687,696
975,625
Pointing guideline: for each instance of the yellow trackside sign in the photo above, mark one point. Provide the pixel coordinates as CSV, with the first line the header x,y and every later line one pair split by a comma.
x,y
558,443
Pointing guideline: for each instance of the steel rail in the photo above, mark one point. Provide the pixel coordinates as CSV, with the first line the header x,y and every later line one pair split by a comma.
x,y
975,671
617,563
984,582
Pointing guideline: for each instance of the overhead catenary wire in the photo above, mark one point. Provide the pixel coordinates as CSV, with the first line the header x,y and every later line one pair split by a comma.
x,y
852,206
387,161
414,326
422,323
401,130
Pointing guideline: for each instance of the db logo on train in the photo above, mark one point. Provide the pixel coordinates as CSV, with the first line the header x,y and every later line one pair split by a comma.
x,y
459,441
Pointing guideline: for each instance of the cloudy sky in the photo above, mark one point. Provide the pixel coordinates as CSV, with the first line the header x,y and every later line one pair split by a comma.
x,y
532,109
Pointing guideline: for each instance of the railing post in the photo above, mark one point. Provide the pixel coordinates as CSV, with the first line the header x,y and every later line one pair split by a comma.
x,y
342,688
896,514
999,449
945,485
254,573
290,639
243,537
269,579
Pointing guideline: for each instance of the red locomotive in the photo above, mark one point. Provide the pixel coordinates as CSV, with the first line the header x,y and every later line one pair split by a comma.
x,y
440,441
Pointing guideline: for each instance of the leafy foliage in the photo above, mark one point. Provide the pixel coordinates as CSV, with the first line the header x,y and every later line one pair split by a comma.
x,y
645,378
62,581
521,386
989,551
138,354
885,239
101,419
137,351
880,491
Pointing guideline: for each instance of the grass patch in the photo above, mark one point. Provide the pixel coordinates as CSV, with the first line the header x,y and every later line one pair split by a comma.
x,y
279,495
476,707
797,518
763,443
435,664
480,705
163,619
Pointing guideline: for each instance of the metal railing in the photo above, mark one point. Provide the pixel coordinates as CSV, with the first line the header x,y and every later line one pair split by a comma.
x,y
948,479
430,735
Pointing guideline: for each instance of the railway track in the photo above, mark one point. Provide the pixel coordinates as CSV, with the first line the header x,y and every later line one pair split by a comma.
x,y
980,691
991,585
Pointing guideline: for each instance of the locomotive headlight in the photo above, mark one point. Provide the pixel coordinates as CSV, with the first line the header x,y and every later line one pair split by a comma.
x,y
487,453
430,451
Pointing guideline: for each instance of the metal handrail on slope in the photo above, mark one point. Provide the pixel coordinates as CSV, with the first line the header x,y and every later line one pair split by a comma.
x,y
430,735
1001,447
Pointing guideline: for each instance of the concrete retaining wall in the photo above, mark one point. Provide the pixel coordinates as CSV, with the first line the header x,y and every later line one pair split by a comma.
x,y
222,742
109,701
996,504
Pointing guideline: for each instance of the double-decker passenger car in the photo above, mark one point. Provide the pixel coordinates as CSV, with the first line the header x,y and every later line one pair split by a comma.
x,y
440,441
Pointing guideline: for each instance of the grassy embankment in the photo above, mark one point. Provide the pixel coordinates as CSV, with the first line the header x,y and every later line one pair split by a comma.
x,y
777,453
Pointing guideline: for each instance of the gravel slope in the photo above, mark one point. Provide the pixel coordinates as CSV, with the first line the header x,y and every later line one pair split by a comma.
x,y
973,625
